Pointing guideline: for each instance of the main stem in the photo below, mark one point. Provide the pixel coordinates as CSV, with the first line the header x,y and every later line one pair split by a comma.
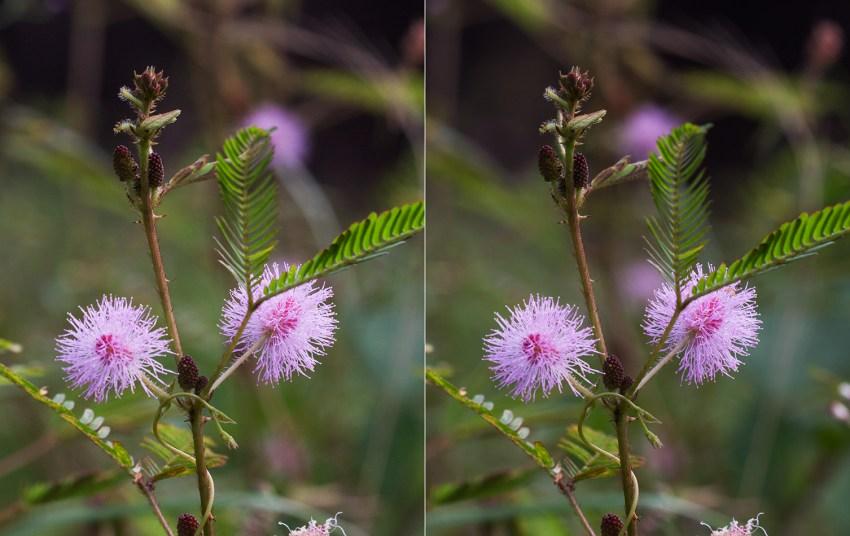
x,y
204,484
568,205
622,423
149,222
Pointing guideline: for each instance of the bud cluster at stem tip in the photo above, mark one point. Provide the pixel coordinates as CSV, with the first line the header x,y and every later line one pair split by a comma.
x,y
611,525
575,85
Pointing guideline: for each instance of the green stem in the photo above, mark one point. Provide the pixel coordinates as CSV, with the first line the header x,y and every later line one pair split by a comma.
x,y
656,351
627,479
205,483
245,355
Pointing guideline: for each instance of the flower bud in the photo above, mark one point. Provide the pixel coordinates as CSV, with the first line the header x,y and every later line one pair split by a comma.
x,y
581,172
612,372
626,383
187,525
124,164
549,163
611,525
150,85
156,171
575,85
187,373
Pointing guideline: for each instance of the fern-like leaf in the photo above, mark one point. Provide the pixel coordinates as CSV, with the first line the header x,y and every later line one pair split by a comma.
x,y
679,189
363,240
793,240
249,225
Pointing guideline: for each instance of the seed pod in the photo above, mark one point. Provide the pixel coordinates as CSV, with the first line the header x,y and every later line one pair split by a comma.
x,y
612,372
156,171
549,163
611,525
124,164
581,172
187,373
187,525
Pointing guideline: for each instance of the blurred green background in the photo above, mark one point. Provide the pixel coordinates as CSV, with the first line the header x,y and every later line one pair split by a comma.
x,y
773,79
343,83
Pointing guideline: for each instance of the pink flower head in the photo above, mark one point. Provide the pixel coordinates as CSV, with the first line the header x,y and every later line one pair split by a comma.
x,y
539,347
315,529
715,329
736,529
111,347
642,128
290,136
295,325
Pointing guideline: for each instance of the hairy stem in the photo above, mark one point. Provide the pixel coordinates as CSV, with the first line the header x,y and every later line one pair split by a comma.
x,y
569,206
656,351
149,222
627,479
205,485
660,364
236,364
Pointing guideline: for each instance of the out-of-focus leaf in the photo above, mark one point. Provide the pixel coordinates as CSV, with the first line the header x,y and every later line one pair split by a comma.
x,y
533,15
589,464
383,94
9,346
483,486
536,451
762,97
94,433
74,486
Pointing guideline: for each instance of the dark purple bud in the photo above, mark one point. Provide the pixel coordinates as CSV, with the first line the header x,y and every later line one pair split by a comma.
x,y
581,172
550,165
187,373
201,383
626,383
156,171
612,372
575,85
124,164
611,525
187,525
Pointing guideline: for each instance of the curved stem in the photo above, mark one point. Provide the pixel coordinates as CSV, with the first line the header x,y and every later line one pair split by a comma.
x,y
627,477
205,481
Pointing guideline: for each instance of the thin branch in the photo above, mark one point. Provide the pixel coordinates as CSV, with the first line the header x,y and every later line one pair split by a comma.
x,y
146,487
661,363
568,488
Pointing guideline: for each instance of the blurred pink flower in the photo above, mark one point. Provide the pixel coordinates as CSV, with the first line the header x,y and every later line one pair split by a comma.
x,y
736,529
111,347
718,328
290,137
315,529
638,280
643,127
297,325
539,347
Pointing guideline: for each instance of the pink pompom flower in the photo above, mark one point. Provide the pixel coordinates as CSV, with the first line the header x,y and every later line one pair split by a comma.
x,y
295,326
736,529
715,329
111,348
314,528
540,346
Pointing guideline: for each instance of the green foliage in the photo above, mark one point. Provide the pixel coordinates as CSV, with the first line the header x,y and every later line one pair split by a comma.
x,y
249,192
24,371
75,486
680,191
536,451
84,425
482,487
9,346
364,240
172,465
584,463
623,171
793,240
